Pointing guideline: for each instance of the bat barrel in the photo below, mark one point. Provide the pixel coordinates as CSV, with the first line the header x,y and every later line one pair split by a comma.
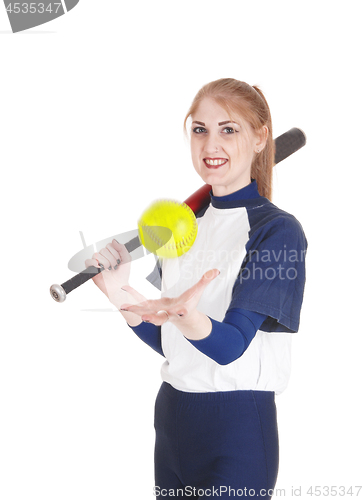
x,y
288,143
199,199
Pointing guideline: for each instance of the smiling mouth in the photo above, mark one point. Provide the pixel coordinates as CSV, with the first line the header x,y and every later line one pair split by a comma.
x,y
214,162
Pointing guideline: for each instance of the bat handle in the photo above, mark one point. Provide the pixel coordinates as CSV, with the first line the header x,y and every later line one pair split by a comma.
x,y
59,292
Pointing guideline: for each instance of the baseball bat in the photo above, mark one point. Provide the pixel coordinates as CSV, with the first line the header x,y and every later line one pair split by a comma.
x,y
285,145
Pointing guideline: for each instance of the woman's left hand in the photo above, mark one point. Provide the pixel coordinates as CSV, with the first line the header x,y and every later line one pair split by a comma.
x,y
179,310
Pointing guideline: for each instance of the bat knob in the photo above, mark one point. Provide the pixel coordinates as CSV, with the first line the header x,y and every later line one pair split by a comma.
x,y
58,293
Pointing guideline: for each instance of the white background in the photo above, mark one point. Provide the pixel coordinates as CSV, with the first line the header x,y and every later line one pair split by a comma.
x,y
91,113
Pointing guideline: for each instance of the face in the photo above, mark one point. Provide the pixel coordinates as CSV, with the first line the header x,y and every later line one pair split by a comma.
x,y
222,150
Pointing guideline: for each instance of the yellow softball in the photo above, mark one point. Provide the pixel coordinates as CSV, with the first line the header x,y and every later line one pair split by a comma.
x,y
168,228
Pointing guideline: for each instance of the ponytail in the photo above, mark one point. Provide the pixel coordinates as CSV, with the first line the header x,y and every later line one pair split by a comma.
x,y
262,165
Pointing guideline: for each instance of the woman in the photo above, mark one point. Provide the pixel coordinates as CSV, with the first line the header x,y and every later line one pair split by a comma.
x,y
222,302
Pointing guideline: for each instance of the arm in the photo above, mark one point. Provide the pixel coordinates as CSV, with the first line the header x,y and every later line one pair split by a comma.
x,y
113,281
222,341
228,340
225,341
150,334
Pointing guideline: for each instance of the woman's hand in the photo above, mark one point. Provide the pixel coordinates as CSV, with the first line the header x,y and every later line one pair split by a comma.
x,y
180,310
116,261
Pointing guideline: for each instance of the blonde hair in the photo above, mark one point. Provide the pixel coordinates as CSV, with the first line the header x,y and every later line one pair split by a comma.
x,y
239,98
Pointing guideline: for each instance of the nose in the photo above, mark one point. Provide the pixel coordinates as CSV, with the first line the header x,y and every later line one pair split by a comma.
x,y
212,144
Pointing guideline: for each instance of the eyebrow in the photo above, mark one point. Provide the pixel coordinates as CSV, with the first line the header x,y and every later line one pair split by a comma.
x,y
220,123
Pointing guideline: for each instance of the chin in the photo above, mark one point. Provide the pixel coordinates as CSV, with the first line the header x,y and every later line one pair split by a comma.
x,y
213,178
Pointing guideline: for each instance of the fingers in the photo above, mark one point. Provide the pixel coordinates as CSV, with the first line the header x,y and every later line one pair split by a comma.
x,y
210,275
150,311
158,318
139,309
175,315
166,309
198,288
157,312
121,250
111,252
110,257
106,258
102,260
91,262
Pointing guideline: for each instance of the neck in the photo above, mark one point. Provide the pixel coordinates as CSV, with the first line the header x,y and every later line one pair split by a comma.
x,y
219,190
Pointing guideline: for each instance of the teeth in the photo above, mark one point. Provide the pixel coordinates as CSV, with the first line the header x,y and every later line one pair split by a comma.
x,y
215,162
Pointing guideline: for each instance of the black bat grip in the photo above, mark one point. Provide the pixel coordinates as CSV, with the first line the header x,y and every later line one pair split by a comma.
x,y
59,292
81,278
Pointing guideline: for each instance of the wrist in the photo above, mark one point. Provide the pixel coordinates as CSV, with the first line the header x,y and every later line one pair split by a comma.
x,y
131,318
195,326
119,297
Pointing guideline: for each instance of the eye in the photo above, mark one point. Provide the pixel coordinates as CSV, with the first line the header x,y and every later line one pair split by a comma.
x,y
199,130
229,130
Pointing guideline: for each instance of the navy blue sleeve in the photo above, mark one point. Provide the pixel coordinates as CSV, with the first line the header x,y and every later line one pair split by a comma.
x,y
229,340
150,334
272,276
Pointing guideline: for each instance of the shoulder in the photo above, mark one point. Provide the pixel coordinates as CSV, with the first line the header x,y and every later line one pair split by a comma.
x,y
267,221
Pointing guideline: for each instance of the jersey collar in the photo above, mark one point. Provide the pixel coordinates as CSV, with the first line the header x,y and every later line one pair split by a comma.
x,y
248,196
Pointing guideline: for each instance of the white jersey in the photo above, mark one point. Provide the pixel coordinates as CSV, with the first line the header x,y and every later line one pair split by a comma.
x,y
259,250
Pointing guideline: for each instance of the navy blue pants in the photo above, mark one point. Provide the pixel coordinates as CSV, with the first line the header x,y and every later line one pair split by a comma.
x,y
217,444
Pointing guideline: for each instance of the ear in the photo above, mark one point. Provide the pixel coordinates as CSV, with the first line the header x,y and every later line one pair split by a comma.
x,y
261,139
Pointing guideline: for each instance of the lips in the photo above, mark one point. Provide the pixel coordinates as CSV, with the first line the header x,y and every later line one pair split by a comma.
x,y
214,162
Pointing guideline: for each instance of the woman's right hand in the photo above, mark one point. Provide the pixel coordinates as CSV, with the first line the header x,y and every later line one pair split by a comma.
x,y
116,261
